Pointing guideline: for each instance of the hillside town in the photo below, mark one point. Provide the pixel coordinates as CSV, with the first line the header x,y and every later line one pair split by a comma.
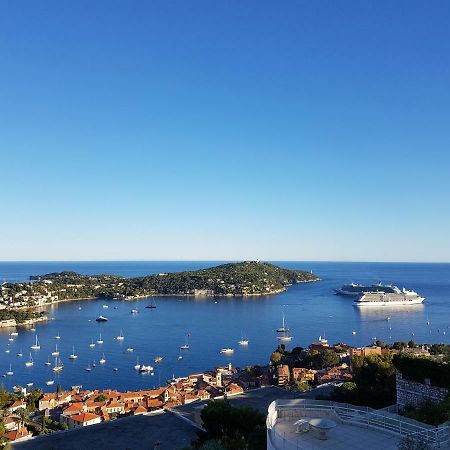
x,y
78,407
30,413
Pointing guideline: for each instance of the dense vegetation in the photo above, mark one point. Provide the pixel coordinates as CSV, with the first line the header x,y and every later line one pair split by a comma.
x,y
299,357
373,383
235,279
20,315
433,413
420,368
229,428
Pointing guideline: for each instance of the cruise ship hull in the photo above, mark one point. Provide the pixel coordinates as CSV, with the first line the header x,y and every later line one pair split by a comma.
x,y
368,304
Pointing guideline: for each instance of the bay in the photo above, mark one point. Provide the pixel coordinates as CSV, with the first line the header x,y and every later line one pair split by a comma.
x,y
310,309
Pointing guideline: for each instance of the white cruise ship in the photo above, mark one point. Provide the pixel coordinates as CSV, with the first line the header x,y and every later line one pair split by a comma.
x,y
400,297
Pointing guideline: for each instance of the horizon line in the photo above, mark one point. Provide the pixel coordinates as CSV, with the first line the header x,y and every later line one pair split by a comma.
x,y
220,261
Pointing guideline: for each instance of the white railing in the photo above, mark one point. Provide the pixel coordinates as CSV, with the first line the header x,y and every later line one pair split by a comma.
x,y
394,424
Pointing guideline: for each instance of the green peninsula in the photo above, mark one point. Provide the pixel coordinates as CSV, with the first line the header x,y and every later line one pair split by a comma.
x,y
235,279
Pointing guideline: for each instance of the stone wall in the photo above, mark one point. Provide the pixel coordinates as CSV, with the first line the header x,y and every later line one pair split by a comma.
x,y
412,393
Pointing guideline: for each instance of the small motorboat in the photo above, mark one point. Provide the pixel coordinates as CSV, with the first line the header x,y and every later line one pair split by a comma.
x,y
158,359
101,319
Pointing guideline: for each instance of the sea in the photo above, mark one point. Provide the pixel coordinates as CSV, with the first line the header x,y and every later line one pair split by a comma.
x,y
210,324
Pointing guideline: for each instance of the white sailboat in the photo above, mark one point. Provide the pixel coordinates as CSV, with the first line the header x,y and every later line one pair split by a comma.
x,y
102,360
185,346
284,328
88,368
48,363
58,365
243,341
58,336
20,353
73,355
92,345
56,352
29,363
137,365
36,345
10,371
121,337
100,340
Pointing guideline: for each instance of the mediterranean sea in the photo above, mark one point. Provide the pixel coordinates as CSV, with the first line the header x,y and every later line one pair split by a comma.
x,y
213,323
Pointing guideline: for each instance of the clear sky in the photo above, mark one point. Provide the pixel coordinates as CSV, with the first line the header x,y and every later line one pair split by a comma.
x,y
223,130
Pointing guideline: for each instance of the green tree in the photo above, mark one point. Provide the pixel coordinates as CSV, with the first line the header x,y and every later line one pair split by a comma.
x,y
328,358
303,387
233,428
276,357
101,398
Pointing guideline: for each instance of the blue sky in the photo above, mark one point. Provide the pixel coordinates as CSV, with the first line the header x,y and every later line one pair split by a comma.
x,y
225,130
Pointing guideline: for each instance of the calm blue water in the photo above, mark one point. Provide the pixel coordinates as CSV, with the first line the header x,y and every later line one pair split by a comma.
x,y
311,310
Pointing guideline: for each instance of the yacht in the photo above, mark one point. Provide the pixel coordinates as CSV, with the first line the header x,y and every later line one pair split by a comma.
x,y
50,382
88,368
92,345
243,342
227,351
56,352
102,360
144,369
7,350
30,384
158,359
14,333
121,337
10,339
284,328
400,298
134,311
101,319
130,349
29,363
58,365
20,353
100,340
105,306
73,355
137,365
355,290
36,345
58,336
10,371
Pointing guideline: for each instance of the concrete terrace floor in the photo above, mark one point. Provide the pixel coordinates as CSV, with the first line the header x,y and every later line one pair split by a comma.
x,y
129,433
343,437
